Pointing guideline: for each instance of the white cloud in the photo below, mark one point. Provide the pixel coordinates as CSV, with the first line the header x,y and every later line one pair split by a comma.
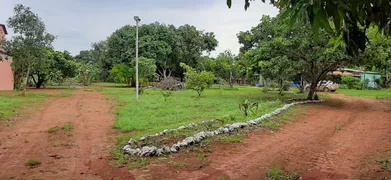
x,y
78,23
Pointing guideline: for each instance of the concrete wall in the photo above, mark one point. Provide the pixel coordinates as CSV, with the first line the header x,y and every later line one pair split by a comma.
x,y
6,75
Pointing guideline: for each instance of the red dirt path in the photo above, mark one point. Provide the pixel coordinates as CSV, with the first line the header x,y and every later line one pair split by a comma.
x,y
312,144
82,153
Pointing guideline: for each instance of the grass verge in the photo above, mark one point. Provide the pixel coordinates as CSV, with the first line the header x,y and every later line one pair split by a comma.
x,y
12,102
366,93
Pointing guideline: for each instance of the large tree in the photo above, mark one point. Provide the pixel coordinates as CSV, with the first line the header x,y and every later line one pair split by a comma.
x,y
345,20
297,47
222,66
28,45
166,44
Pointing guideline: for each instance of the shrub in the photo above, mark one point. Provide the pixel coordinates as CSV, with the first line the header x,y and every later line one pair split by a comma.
x,y
166,94
247,106
351,82
197,81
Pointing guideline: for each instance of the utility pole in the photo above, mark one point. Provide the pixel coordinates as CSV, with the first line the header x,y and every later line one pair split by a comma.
x,y
137,19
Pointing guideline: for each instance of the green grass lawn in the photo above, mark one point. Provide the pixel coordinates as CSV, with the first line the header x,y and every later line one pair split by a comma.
x,y
12,102
366,93
152,114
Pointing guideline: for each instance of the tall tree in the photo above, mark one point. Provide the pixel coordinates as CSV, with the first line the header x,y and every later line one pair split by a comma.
x,y
28,45
166,44
300,48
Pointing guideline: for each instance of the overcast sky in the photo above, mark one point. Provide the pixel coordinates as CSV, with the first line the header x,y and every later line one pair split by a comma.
x,y
79,23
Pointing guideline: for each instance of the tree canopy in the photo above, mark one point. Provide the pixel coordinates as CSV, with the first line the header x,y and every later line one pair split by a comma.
x,y
285,50
166,44
28,45
346,20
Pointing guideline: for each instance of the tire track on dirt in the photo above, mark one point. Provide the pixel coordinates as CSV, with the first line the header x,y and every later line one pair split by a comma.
x,y
313,144
82,153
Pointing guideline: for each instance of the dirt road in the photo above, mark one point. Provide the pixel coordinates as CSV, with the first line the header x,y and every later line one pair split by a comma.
x,y
81,153
340,139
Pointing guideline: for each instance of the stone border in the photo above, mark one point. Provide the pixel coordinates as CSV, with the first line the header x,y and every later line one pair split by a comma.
x,y
147,151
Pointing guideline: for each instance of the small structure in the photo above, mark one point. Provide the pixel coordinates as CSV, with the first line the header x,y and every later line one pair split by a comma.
x,y
6,74
371,76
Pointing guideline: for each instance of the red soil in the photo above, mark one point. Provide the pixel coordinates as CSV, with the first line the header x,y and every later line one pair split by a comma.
x,y
81,153
312,144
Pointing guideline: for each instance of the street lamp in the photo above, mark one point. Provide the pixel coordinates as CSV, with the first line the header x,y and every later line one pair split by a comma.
x,y
137,19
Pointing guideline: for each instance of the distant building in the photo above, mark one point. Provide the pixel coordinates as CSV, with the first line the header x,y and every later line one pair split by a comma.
x,y
371,76
6,74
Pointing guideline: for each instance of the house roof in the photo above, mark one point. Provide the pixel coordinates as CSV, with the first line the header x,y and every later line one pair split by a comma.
x,y
4,28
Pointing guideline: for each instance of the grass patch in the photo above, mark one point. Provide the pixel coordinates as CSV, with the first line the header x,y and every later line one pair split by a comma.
x,y
386,161
67,126
366,93
32,163
53,129
152,114
12,102
278,174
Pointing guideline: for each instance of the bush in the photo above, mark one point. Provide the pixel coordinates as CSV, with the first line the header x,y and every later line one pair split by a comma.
x,y
351,82
197,81
166,94
247,106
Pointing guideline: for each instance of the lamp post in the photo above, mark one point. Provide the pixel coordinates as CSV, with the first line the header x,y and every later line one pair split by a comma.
x,y
137,19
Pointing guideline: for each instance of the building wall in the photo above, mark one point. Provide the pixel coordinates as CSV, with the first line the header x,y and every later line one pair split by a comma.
x,y
6,75
371,77
2,33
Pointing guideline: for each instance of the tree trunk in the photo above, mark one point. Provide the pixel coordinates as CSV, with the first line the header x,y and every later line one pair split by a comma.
x,y
282,84
311,93
164,73
25,81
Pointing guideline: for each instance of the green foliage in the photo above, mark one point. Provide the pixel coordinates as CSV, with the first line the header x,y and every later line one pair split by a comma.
x,y
278,174
87,72
166,94
351,82
53,129
28,45
366,93
246,106
166,44
67,126
280,51
122,73
221,67
386,161
153,115
197,81
32,163
344,20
